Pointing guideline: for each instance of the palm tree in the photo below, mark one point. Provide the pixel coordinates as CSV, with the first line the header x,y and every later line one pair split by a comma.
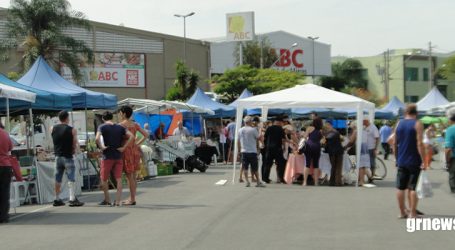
x,y
185,83
37,28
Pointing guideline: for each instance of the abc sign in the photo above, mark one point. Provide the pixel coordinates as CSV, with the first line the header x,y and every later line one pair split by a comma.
x,y
288,57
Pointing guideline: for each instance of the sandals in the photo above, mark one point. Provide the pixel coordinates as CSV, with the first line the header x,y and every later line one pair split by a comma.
x,y
128,203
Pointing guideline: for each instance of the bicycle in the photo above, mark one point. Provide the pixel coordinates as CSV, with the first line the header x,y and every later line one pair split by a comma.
x,y
380,169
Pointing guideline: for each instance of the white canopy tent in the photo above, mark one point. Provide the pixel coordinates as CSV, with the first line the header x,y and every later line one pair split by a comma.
x,y
152,106
440,110
9,92
307,95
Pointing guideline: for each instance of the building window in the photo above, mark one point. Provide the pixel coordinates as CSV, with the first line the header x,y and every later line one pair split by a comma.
x,y
442,89
411,98
411,74
425,74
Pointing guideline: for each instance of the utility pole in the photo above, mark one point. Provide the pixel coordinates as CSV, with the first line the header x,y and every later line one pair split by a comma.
x,y
430,69
386,74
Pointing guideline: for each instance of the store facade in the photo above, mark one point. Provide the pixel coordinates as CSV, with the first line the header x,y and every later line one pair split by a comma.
x,y
129,62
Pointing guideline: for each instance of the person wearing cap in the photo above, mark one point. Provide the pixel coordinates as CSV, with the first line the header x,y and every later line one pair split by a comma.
x,y
181,130
450,148
248,140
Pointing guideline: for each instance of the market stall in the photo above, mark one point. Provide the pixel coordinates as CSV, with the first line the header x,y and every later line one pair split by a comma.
x,y
300,96
55,93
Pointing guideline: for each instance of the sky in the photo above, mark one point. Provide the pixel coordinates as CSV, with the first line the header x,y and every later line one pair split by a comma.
x,y
352,27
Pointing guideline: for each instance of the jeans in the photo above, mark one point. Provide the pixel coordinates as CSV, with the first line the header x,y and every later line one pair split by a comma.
x,y
5,185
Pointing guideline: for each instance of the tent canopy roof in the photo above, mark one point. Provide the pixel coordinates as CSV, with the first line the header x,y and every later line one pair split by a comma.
x,y
245,93
152,106
307,95
433,99
44,100
42,76
394,105
200,99
14,93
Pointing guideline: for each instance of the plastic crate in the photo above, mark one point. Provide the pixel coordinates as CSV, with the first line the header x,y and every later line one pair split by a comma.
x,y
163,169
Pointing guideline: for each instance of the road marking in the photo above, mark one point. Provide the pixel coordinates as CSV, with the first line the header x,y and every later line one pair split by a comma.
x,y
221,182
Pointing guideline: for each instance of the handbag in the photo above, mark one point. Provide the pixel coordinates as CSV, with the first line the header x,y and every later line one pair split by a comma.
x,y
302,145
423,188
351,150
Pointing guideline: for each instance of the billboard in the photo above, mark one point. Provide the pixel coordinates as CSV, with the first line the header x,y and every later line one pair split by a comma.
x,y
110,69
240,26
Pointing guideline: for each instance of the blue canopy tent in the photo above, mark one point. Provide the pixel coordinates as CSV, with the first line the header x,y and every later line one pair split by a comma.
x,y
395,106
322,112
44,100
433,99
41,76
200,99
245,93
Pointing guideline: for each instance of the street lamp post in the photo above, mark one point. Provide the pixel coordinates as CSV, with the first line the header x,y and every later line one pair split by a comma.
x,y
292,46
184,32
313,39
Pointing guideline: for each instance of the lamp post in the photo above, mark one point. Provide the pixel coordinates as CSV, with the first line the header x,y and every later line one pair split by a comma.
x,y
184,32
292,46
313,38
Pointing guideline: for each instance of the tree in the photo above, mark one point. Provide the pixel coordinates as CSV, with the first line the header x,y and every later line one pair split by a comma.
x,y
447,71
348,74
185,83
38,27
252,53
259,81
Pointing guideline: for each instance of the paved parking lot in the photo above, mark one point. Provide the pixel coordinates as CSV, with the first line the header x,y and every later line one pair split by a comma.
x,y
187,211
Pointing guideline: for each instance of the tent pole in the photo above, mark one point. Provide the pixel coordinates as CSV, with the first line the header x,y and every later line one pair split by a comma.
x,y
359,139
222,144
32,125
192,122
205,128
8,125
238,123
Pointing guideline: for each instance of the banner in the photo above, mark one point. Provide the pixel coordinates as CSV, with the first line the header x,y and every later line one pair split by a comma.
x,y
240,26
111,70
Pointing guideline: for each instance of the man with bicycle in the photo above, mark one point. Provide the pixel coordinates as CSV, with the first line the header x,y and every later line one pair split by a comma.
x,y
372,133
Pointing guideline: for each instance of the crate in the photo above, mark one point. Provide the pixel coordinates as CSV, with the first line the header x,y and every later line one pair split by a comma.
x,y
162,169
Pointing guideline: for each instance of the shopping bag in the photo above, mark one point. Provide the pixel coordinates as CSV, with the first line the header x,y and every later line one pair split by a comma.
x,y
423,188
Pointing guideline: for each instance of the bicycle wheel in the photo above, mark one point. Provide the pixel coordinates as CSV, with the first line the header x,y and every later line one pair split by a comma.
x,y
380,170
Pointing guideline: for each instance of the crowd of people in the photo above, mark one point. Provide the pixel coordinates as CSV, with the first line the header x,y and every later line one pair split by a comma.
x,y
278,142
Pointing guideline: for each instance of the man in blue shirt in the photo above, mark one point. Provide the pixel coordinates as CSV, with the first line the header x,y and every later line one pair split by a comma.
x,y
409,152
384,134
450,148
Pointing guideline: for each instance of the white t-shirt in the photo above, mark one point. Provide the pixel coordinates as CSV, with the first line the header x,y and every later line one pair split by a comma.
x,y
372,134
184,131
248,137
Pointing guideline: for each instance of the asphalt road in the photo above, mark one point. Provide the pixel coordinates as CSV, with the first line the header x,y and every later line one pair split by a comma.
x,y
187,211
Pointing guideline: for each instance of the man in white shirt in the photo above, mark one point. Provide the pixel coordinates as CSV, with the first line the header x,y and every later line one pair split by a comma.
x,y
248,139
181,130
372,141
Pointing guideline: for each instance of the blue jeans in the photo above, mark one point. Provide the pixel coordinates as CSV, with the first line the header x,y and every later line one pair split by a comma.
x,y
64,164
